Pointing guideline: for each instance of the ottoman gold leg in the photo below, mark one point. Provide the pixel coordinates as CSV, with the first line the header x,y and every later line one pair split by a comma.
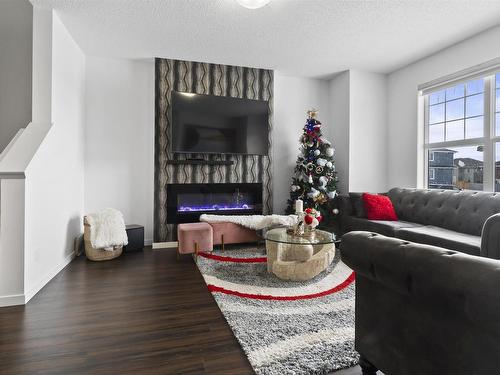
x,y
222,240
178,254
196,250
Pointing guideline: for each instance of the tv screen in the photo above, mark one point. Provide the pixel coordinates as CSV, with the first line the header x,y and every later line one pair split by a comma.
x,y
207,124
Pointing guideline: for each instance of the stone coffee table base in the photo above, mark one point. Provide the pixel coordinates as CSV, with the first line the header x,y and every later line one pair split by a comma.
x,y
298,262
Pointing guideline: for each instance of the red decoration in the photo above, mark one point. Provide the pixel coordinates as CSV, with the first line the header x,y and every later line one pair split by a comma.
x,y
308,210
221,258
335,289
379,207
319,218
308,219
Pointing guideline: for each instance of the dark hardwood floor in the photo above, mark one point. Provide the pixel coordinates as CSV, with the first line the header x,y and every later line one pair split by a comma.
x,y
143,313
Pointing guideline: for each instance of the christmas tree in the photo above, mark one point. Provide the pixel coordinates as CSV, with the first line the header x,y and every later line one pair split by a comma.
x,y
315,178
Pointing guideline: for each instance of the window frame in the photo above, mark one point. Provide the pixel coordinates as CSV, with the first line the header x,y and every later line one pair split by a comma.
x,y
432,176
488,140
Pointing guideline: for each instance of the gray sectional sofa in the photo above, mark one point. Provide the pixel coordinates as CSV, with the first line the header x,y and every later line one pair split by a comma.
x,y
465,221
422,309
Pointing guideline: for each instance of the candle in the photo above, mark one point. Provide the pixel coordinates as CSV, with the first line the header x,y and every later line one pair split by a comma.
x,y
299,206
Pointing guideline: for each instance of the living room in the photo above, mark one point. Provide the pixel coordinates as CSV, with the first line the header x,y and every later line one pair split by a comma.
x,y
234,144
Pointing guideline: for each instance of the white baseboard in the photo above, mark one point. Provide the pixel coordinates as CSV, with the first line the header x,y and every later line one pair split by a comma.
x,y
16,299
165,245
49,276
148,242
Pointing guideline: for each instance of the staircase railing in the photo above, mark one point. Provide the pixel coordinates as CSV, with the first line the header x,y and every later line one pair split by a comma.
x,y
11,143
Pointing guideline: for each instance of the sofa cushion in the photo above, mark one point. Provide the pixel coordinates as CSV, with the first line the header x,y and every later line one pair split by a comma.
x,y
436,236
387,228
378,207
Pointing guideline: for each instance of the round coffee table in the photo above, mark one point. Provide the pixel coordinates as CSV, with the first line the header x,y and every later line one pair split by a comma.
x,y
298,258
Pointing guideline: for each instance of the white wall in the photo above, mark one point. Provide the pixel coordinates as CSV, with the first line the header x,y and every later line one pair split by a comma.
x,y
42,65
358,114
292,98
368,132
119,139
404,138
339,124
15,67
54,178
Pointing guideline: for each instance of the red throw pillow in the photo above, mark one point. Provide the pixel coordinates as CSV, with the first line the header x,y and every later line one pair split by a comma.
x,y
379,207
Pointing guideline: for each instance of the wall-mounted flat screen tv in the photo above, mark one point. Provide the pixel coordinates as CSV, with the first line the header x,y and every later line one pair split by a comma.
x,y
209,124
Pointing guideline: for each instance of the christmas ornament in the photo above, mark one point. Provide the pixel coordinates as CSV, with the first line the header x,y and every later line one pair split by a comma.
x,y
320,199
328,164
313,193
332,194
329,151
310,180
312,113
322,182
317,152
319,170
335,211
322,162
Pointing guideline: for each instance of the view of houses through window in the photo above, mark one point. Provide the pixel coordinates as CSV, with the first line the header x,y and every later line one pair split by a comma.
x,y
463,145
456,168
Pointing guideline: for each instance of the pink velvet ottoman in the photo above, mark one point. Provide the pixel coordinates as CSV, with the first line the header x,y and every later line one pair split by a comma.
x,y
228,233
194,237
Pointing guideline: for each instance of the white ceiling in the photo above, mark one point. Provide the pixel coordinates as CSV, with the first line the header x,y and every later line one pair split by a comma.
x,y
312,38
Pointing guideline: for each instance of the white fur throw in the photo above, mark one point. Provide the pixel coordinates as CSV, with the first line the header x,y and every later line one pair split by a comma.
x,y
107,229
252,221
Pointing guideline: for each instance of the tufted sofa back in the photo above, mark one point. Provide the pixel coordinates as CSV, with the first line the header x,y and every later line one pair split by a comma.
x,y
461,211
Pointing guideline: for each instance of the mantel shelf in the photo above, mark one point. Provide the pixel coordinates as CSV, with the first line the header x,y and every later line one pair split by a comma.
x,y
200,162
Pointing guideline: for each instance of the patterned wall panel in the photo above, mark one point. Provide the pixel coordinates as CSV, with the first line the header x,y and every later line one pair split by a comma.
x,y
213,79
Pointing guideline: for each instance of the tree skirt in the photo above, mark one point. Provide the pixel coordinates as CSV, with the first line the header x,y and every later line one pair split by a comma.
x,y
284,327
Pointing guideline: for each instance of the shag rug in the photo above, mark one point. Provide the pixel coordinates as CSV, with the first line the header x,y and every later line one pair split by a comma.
x,y
284,327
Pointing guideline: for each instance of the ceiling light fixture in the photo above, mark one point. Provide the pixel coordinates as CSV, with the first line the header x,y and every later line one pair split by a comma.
x,y
253,4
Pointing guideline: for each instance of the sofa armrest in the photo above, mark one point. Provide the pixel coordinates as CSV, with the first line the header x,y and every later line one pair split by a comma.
x,y
435,276
490,237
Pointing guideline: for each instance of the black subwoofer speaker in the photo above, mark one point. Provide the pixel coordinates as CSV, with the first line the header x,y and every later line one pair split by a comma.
x,y
135,235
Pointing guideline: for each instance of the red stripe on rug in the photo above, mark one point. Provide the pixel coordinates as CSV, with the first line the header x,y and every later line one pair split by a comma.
x,y
232,259
344,284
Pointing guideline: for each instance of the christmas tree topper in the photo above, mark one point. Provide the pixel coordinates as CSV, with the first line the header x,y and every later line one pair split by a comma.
x,y
312,113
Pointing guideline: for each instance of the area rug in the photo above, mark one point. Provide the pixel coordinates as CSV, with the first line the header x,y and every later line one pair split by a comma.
x,y
284,327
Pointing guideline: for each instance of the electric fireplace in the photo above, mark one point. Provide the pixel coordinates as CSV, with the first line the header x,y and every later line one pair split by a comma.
x,y
186,202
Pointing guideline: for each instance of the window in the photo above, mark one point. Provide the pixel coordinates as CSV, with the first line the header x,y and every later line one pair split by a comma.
x,y
462,135
497,166
432,173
